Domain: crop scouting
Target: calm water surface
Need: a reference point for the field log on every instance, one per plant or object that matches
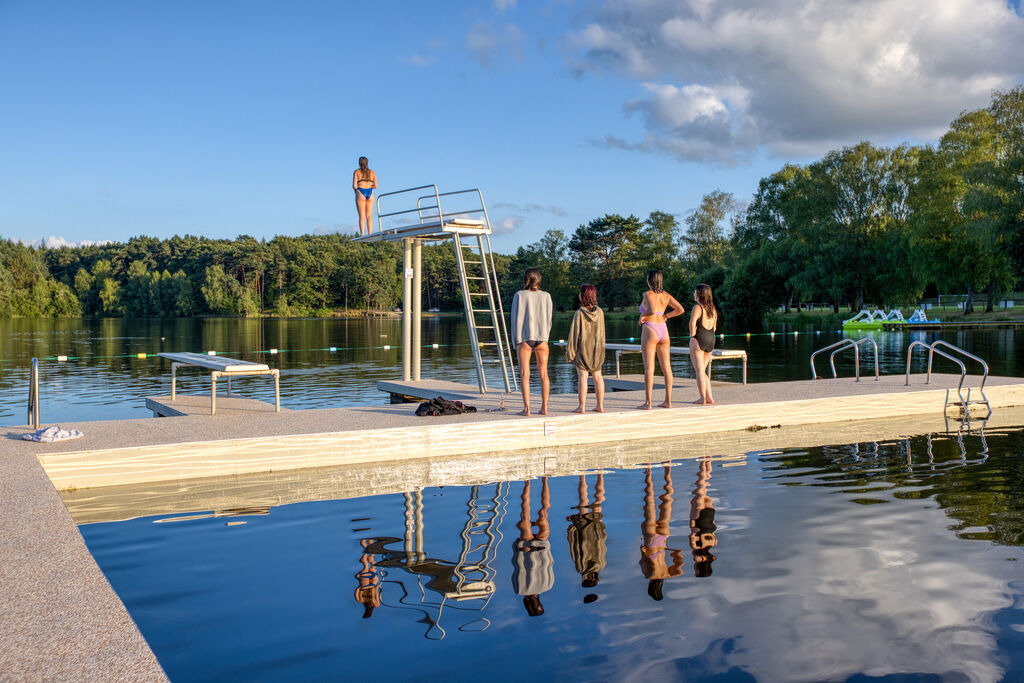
(898, 560)
(100, 381)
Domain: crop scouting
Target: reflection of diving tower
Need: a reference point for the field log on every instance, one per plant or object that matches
(470, 578)
(414, 216)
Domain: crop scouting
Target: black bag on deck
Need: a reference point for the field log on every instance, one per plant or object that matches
(442, 406)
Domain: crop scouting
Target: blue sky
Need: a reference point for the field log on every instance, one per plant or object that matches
(227, 118)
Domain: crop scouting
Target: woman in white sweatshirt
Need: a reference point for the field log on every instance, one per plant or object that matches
(531, 324)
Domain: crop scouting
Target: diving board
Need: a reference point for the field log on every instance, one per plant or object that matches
(221, 367)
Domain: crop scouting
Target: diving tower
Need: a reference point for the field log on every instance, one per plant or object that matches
(416, 215)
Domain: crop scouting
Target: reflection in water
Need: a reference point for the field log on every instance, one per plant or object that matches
(469, 578)
(655, 537)
(533, 567)
(889, 558)
(702, 522)
(588, 535)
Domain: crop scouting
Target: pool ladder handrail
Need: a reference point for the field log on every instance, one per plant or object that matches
(842, 345)
(33, 394)
(932, 350)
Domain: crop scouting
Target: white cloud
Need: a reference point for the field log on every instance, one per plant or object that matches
(502, 5)
(488, 42)
(719, 79)
(531, 208)
(506, 225)
(56, 242)
(419, 60)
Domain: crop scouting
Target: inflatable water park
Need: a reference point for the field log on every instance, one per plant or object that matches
(876, 319)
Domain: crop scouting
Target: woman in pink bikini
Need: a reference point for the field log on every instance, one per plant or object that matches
(654, 311)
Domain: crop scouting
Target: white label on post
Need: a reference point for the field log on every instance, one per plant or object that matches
(408, 273)
(549, 429)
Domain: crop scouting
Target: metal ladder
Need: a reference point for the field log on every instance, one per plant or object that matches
(842, 345)
(964, 403)
(481, 297)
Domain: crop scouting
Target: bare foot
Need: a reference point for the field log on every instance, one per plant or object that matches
(644, 406)
(699, 402)
(581, 410)
(711, 401)
(666, 404)
(543, 411)
(599, 409)
(524, 413)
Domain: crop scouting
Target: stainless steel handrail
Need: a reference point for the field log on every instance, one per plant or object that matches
(841, 342)
(382, 216)
(33, 394)
(842, 345)
(931, 349)
(984, 365)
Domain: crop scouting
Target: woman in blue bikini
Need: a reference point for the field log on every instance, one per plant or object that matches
(364, 182)
(654, 311)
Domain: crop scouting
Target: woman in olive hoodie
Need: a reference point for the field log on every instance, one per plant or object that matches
(585, 347)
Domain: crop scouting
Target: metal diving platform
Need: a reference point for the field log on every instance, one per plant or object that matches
(418, 214)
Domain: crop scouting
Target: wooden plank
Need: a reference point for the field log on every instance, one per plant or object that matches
(218, 363)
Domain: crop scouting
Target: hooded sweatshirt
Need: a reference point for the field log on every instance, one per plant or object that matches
(585, 345)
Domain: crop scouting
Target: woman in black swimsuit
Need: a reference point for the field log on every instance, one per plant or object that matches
(703, 323)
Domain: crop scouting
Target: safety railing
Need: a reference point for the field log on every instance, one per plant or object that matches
(933, 349)
(33, 394)
(843, 345)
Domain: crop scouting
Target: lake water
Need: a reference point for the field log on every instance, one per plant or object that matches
(104, 378)
(896, 561)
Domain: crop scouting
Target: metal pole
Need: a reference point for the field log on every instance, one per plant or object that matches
(417, 306)
(33, 394)
(406, 307)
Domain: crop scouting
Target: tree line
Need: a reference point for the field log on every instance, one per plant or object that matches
(885, 225)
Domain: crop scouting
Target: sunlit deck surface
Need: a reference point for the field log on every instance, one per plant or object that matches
(62, 619)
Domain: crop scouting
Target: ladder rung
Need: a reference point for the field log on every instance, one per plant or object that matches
(472, 263)
(471, 277)
(478, 293)
(487, 343)
(481, 310)
(484, 327)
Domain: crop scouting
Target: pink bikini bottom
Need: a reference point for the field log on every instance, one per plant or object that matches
(659, 329)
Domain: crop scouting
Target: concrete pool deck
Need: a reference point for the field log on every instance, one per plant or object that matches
(120, 452)
(61, 619)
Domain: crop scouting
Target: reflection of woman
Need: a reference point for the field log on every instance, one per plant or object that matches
(703, 323)
(531, 325)
(588, 536)
(654, 312)
(702, 523)
(368, 590)
(364, 182)
(533, 567)
(653, 561)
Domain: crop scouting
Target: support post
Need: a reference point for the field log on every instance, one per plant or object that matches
(406, 308)
(213, 392)
(417, 306)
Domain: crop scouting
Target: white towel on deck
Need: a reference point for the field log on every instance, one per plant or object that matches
(52, 433)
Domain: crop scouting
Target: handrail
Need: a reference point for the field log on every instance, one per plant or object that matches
(984, 365)
(931, 349)
(33, 394)
(842, 345)
(841, 342)
(382, 216)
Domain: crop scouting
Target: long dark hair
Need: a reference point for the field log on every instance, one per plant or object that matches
(588, 296)
(364, 168)
(655, 280)
(531, 279)
(704, 298)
